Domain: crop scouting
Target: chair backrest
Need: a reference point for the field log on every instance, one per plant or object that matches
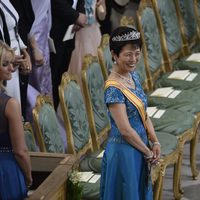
(151, 41)
(93, 89)
(166, 12)
(190, 20)
(104, 55)
(47, 127)
(74, 115)
(29, 137)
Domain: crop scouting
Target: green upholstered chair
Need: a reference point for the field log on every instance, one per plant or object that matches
(46, 124)
(147, 24)
(29, 137)
(77, 124)
(175, 34)
(93, 89)
(104, 55)
(175, 46)
(152, 51)
(75, 116)
(49, 137)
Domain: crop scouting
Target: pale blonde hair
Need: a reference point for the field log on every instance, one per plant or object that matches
(4, 48)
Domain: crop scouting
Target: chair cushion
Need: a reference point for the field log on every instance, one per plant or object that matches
(164, 81)
(181, 63)
(90, 190)
(186, 101)
(174, 122)
(91, 162)
(168, 143)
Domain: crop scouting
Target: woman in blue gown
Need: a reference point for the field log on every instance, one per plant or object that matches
(127, 157)
(15, 167)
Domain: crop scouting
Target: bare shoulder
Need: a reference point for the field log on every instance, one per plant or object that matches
(12, 108)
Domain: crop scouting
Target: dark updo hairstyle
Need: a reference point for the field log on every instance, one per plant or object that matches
(117, 46)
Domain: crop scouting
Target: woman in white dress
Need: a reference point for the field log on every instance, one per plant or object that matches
(22, 57)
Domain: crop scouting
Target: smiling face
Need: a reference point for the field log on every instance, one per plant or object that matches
(128, 57)
(6, 66)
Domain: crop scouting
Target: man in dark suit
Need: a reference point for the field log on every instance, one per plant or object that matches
(63, 15)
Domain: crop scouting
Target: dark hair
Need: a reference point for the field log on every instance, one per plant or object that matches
(117, 46)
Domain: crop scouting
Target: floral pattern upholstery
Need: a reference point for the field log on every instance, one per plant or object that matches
(96, 92)
(77, 115)
(50, 129)
(170, 23)
(30, 140)
(141, 70)
(190, 22)
(152, 39)
(108, 59)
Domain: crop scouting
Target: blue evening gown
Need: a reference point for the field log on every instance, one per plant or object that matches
(12, 182)
(124, 171)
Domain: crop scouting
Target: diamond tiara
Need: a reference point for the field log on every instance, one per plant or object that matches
(133, 35)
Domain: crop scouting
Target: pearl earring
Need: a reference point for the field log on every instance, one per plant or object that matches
(115, 62)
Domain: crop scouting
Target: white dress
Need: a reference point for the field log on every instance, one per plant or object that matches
(12, 87)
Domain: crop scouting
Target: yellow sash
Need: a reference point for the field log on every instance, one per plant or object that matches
(131, 97)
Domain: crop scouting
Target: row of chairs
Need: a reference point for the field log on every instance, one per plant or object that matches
(85, 120)
(170, 34)
(162, 25)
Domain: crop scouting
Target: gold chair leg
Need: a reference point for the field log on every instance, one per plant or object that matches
(157, 194)
(193, 147)
(177, 176)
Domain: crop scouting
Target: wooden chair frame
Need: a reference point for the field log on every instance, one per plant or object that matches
(97, 139)
(104, 43)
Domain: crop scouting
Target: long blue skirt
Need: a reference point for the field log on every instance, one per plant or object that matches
(124, 174)
(12, 182)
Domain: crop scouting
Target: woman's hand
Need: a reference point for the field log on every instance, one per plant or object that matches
(156, 152)
(37, 56)
(29, 181)
(25, 63)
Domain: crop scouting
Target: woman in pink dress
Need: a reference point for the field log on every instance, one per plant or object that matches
(87, 38)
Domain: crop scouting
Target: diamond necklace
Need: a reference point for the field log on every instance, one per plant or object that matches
(128, 80)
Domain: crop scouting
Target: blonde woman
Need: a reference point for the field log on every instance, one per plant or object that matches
(15, 167)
